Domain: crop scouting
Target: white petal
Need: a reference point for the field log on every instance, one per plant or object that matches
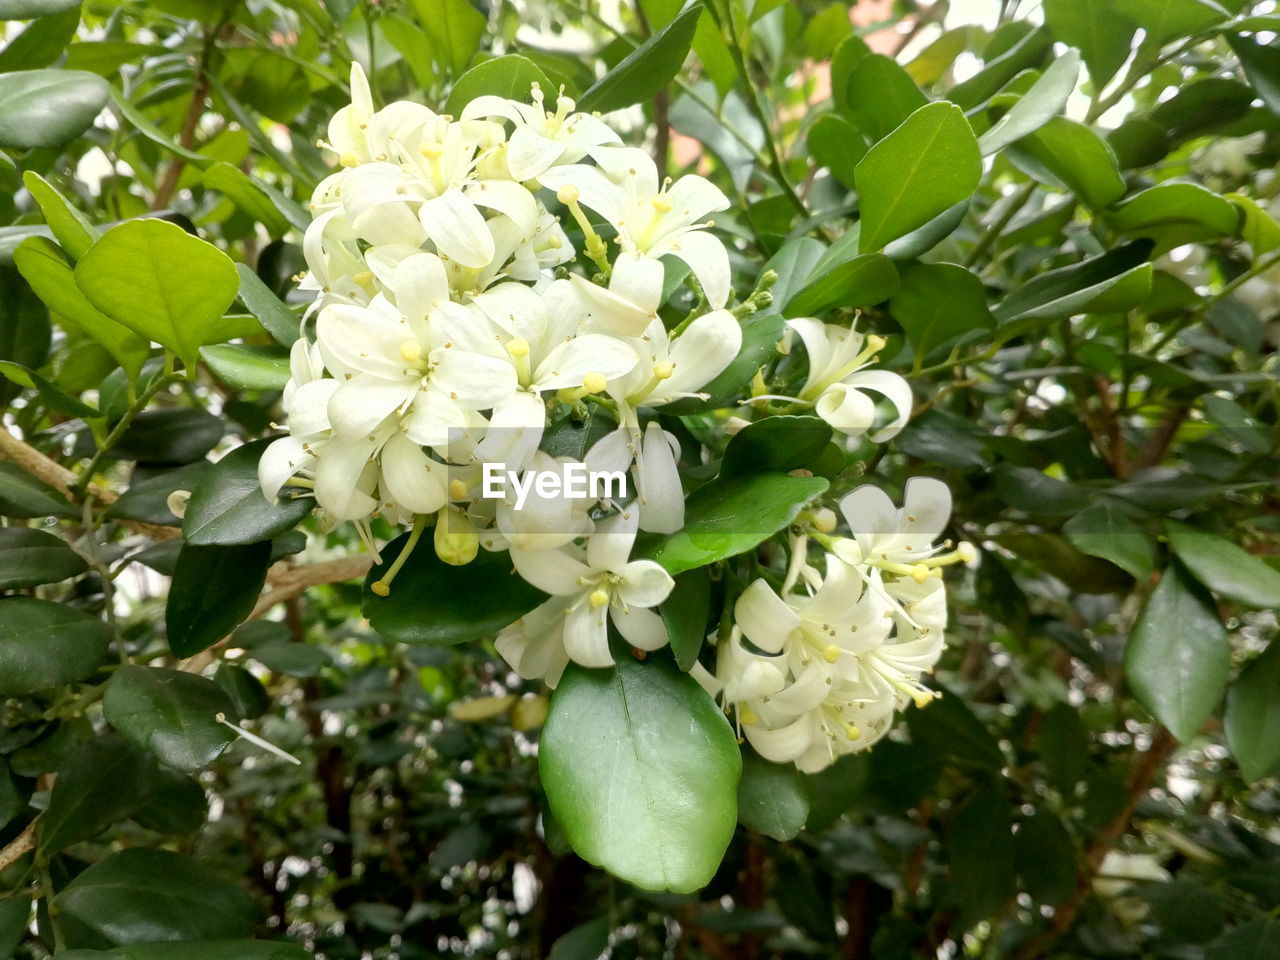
(596, 191)
(639, 627)
(612, 313)
(343, 481)
(361, 340)
(786, 743)
(515, 430)
(895, 389)
(661, 496)
(281, 460)
(568, 363)
(362, 403)
(847, 409)
(419, 281)
(870, 514)
(763, 617)
(473, 379)
(638, 279)
(529, 153)
(433, 420)
(308, 408)
(457, 229)
(707, 258)
(693, 197)
(629, 165)
(644, 583)
(609, 547)
(552, 571)
(508, 198)
(701, 353)
(927, 505)
(586, 636)
(411, 479)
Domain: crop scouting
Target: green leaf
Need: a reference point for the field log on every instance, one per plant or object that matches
(172, 803)
(454, 28)
(1138, 142)
(948, 727)
(73, 230)
(41, 42)
(980, 853)
(248, 366)
(138, 895)
(1063, 746)
(760, 336)
(29, 9)
(169, 435)
(1069, 290)
(51, 395)
(1027, 52)
(727, 517)
(41, 264)
(1046, 98)
(15, 915)
(880, 96)
(587, 941)
(923, 239)
(138, 120)
(1223, 567)
(1171, 214)
(292, 659)
(227, 507)
(23, 497)
(1261, 64)
(684, 614)
(432, 602)
(1256, 940)
(857, 282)
(170, 713)
(48, 108)
(641, 769)
(776, 445)
(276, 318)
(1239, 423)
(772, 797)
(99, 784)
(647, 69)
(1070, 156)
(510, 77)
(1252, 717)
(1056, 556)
(30, 557)
(937, 303)
(836, 144)
(45, 645)
(794, 263)
(1257, 227)
(147, 498)
(1165, 20)
(1046, 858)
(1177, 657)
(250, 197)
(1104, 531)
(1096, 28)
(925, 166)
(214, 589)
(1202, 107)
(195, 950)
(162, 283)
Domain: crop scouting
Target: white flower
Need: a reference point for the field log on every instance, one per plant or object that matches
(838, 380)
(542, 139)
(651, 218)
(592, 586)
(671, 369)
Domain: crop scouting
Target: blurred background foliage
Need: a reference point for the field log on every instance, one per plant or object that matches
(1091, 337)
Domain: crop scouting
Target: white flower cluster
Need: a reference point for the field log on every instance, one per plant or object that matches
(835, 653)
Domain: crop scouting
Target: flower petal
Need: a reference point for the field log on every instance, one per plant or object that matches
(701, 353)
(473, 379)
(896, 390)
(556, 572)
(362, 403)
(763, 617)
(644, 583)
(707, 258)
(586, 636)
(457, 228)
(609, 548)
(661, 497)
(411, 479)
(639, 627)
(282, 459)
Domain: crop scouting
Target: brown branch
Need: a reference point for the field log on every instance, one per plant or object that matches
(19, 846)
(1161, 438)
(195, 110)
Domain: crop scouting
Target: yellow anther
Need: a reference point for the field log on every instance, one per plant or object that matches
(661, 203)
(923, 697)
(568, 194)
(831, 654)
(411, 351)
(852, 732)
(919, 572)
(518, 348)
(875, 343)
(349, 160)
(432, 151)
(598, 599)
(824, 520)
(457, 489)
(747, 716)
(363, 278)
(594, 382)
(380, 589)
(663, 371)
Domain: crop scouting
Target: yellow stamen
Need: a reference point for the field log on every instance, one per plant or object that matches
(831, 654)
(663, 371)
(457, 489)
(598, 599)
(594, 382)
(518, 348)
(349, 160)
(411, 351)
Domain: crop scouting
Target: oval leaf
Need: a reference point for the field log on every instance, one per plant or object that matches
(228, 507)
(170, 713)
(44, 645)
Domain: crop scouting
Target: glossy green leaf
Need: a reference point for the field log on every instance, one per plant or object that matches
(1252, 716)
(214, 589)
(45, 645)
(1027, 52)
(249, 196)
(794, 263)
(1069, 290)
(25, 333)
(1165, 20)
(15, 914)
(454, 28)
(980, 853)
(137, 895)
(51, 395)
(27, 9)
(73, 230)
(99, 784)
(42, 265)
(1046, 858)
(1223, 567)
(23, 497)
(172, 802)
(647, 69)
(510, 77)
(171, 435)
(147, 498)
(48, 108)
(1036, 107)
(836, 144)
(1104, 531)
(276, 318)
(776, 444)
(880, 96)
(772, 797)
(858, 282)
(1256, 940)
(159, 281)
(170, 713)
(228, 507)
(727, 517)
(1202, 107)
(760, 336)
(432, 602)
(41, 43)
(1257, 227)
(30, 557)
(937, 303)
(1063, 745)
(139, 121)
(950, 728)
(1095, 27)
(1070, 156)
(641, 769)
(248, 366)
(685, 613)
(1177, 657)
(1138, 142)
(1261, 65)
(1171, 214)
(196, 950)
(928, 164)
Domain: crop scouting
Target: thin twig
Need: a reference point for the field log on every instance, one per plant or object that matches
(19, 846)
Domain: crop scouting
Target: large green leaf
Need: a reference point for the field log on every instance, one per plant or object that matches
(980, 853)
(1165, 20)
(1068, 290)
(15, 915)
(74, 232)
(647, 69)
(47, 108)
(137, 895)
(170, 435)
(41, 43)
(228, 507)
(214, 588)
(928, 164)
(937, 303)
(432, 602)
(1104, 531)
(1223, 567)
(1027, 52)
(455, 29)
(197, 950)
(836, 144)
(44, 645)
(1046, 858)
(1046, 98)
(857, 282)
(684, 614)
(881, 95)
(772, 797)
(1252, 717)
(170, 713)
(30, 557)
(248, 366)
(42, 265)
(1069, 155)
(1172, 214)
(251, 197)
(1261, 64)
(25, 333)
(28, 9)
(162, 283)
(1256, 940)
(510, 77)
(727, 517)
(1177, 657)
(276, 318)
(776, 445)
(641, 769)
(22, 496)
(100, 783)
(1093, 26)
